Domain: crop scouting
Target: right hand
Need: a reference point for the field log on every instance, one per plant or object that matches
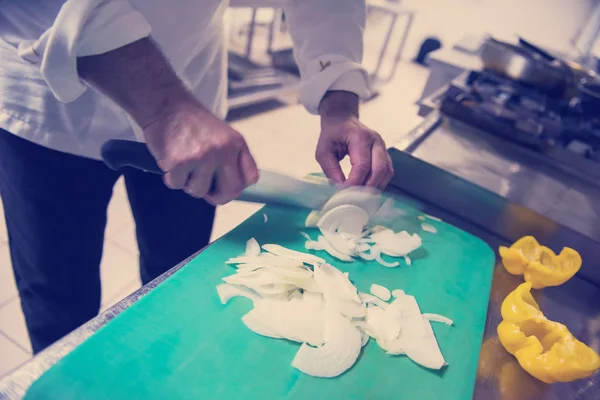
(194, 149)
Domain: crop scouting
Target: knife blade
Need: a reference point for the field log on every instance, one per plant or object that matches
(271, 188)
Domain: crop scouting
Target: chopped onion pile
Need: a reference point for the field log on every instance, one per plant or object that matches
(345, 235)
(298, 297)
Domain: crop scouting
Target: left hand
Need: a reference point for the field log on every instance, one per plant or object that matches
(343, 134)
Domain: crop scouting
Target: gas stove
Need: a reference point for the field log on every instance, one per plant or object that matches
(552, 124)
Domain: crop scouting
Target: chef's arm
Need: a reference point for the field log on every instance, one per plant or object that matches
(328, 47)
(138, 78)
(81, 28)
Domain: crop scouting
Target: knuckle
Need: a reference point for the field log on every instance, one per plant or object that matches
(380, 169)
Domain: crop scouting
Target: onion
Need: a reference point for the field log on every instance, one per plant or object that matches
(335, 284)
(370, 299)
(438, 318)
(417, 336)
(431, 217)
(324, 243)
(338, 242)
(366, 198)
(407, 260)
(347, 218)
(377, 252)
(305, 235)
(383, 324)
(380, 291)
(296, 320)
(292, 254)
(341, 349)
(252, 248)
(312, 219)
(227, 292)
(428, 228)
(265, 218)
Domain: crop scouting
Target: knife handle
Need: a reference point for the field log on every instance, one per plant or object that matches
(118, 154)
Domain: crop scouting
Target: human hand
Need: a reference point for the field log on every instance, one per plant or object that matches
(201, 154)
(343, 134)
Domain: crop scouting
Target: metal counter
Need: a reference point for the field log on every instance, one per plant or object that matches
(483, 213)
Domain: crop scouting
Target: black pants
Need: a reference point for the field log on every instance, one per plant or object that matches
(55, 207)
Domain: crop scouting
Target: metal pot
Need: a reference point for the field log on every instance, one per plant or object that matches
(523, 65)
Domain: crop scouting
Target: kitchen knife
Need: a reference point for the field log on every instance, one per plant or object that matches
(271, 188)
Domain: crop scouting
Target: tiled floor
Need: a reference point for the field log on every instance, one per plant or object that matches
(281, 140)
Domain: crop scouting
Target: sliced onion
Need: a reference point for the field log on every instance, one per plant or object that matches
(227, 292)
(252, 248)
(256, 322)
(345, 218)
(292, 254)
(383, 324)
(266, 259)
(380, 291)
(305, 235)
(433, 218)
(297, 320)
(335, 284)
(312, 219)
(367, 256)
(341, 349)
(397, 245)
(419, 340)
(313, 245)
(407, 260)
(340, 244)
(325, 245)
(370, 299)
(368, 199)
(428, 228)
(265, 218)
(438, 318)
(378, 258)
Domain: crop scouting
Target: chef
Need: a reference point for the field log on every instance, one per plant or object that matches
(76, 73)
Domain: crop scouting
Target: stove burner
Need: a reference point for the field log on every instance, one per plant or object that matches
(522, 114)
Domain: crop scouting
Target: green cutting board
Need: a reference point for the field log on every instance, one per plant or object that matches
(180, 342)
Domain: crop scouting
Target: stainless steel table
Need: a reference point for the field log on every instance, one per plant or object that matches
(497, 221)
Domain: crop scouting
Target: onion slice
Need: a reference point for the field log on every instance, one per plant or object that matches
(293, 254)
(417, 336)
(312, 219)
(438, 318)
(428, 227)
(342, 346)
(252, 248)
(325, 245)
(346, 218)
(380, 291)
(227, 292)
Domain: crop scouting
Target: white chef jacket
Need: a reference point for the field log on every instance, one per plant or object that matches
(43, 100)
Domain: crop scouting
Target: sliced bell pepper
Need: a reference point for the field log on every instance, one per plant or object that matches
(539, 264)
(544, 348)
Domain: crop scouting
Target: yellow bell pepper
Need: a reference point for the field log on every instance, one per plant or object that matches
(544, 348)
(539, 264)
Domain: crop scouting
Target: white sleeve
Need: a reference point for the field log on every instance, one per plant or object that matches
(82, 28)
(328, 47)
